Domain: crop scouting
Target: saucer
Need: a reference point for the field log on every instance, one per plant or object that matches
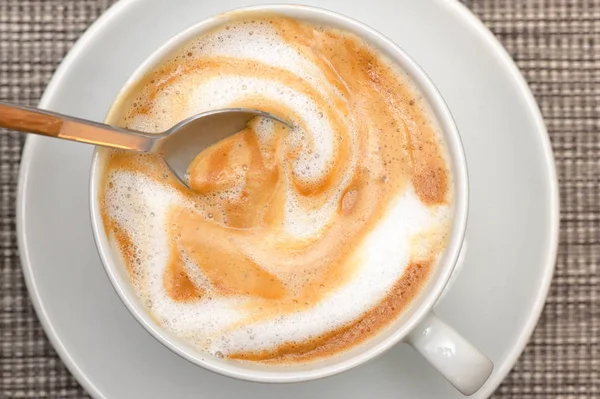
(494, 301)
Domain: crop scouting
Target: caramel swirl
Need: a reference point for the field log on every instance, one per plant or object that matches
(277, 218)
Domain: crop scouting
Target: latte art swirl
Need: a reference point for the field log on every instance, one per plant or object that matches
(294, 243)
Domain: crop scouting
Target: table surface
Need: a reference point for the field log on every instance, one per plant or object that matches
(555, 43)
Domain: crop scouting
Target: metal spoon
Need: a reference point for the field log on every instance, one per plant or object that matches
(178, 146)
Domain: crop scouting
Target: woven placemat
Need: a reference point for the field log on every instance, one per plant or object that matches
(556, 44)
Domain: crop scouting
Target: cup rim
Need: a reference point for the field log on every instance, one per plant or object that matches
(445, 266)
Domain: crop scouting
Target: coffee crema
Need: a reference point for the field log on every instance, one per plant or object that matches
(295, 244)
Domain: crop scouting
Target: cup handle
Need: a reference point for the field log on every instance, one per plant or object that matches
(463, 365)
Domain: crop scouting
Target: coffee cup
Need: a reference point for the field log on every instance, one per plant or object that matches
(453, 356)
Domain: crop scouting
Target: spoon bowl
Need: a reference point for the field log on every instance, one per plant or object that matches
(184, 141)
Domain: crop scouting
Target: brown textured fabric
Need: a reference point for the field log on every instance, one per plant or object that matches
(556, 44)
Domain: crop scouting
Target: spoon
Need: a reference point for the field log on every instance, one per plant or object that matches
(178, 145)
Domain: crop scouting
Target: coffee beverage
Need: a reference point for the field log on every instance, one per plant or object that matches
(295, 243)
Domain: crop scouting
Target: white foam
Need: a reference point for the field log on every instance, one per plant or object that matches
(220, 91)
(143, 214)
(258, 42)
(139, 205)
(383, 259)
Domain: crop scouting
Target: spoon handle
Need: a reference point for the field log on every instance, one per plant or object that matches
(46, 123)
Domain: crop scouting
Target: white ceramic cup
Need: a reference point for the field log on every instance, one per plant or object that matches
(455, 358)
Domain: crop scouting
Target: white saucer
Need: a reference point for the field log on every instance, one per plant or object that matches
(512, 232)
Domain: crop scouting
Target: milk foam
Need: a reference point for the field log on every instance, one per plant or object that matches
(384, 256)
(253, 41)
(139, 204)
